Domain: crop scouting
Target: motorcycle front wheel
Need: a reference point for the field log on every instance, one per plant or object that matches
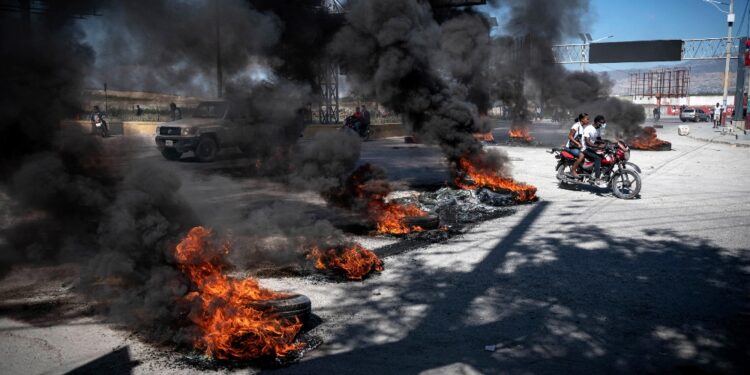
(633, 167)
(625, 184)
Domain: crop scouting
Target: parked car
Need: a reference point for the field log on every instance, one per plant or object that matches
(693, 114)
(213, 126)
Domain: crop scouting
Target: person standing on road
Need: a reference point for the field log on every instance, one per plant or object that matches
(365, 119)
(138, 110)
(575, 136)
(717, 115)
(175, 112)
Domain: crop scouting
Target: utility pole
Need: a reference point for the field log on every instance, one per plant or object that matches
(219, 79)
(730, 21)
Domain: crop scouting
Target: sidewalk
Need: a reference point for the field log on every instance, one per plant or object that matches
(705, 132)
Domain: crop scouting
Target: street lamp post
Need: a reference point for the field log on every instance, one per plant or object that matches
(730, 21)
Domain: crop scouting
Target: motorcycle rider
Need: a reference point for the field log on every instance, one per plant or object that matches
(575, 142)
(591, 143)
(98, 124)
(574, 135)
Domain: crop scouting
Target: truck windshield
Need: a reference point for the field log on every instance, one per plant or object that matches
(210, 110)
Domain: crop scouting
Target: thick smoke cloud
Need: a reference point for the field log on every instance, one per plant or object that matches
(319, 164)
(170, 46)
(389, 48)
(307, 29)
(43, 66)
(548, 20)
(524, 71)
(465, 38)
(523, 67)
(590, 93)
(73, 198)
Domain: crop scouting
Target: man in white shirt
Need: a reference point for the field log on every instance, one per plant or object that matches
(590, 137)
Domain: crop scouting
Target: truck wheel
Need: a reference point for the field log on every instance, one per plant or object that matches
(206, 149)
(171, 154)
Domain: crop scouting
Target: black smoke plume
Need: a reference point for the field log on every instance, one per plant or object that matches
(72, 196)
(390, 49)
(171, 46)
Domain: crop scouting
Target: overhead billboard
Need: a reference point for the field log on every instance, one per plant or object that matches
(644, 51)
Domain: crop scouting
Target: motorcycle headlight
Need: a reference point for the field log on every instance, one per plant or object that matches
(189, 131)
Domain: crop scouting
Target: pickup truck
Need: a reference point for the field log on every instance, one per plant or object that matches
(213, 126)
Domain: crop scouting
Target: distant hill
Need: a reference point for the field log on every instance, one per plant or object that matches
(705, 77)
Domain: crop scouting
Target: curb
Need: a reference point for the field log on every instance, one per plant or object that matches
(713, 140)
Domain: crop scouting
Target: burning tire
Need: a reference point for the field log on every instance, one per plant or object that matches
(425, 222)
(626, 184)
(295, 305)
(206, 149)
(170, 154)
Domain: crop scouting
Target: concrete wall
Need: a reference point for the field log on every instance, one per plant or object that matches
(380, 130)
(140, 128)
(148, 128)
(693, 100)
(128, 128)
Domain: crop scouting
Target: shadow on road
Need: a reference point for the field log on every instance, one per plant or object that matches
(586, 302)
(116, 363)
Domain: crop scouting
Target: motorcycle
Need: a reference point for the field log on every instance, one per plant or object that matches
(624, 182)
(100, 125)
(354, 125)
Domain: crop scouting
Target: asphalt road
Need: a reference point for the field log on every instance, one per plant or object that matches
(579, 282)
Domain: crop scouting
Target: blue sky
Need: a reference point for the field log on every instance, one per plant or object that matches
(659, 19)
(662, 19)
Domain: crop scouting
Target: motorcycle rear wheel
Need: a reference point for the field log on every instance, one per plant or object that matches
(561, 175)
(625, 184)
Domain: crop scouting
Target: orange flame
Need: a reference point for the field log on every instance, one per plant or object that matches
(520, 133)
(355, 261)
(367, 187)
(649, 141)
(389, 217)
(487, 177)
(229, 326)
